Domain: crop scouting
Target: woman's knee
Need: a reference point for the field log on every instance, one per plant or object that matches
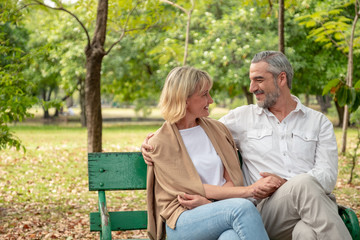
(228, 234)
(241, 206)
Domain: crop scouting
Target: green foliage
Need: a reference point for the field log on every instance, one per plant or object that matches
(344, 94)
(57, 63)
(224, 36)
(331, 26)
(15, 91)
(225, 46)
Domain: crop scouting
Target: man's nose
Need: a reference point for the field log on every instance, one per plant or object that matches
(253, 86)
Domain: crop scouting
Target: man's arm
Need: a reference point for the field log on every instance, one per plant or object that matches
(326, 157)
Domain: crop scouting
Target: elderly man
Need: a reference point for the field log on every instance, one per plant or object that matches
(280, 138)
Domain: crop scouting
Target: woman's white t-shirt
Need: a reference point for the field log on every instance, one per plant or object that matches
(202, 153)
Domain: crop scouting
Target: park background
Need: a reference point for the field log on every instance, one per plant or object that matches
(75, 78)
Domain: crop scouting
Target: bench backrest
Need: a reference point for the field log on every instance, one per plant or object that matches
(116, 171)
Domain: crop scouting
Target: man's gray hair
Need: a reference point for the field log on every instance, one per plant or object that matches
(277, 63)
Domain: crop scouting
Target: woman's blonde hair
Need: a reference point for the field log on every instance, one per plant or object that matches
(181, 83)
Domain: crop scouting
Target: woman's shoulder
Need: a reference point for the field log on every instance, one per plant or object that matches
(162, 135)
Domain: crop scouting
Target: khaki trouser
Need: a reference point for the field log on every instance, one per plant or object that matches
(300, 209)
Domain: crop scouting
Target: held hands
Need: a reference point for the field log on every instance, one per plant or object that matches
(146, 148)
(190, 201)
(266, 185)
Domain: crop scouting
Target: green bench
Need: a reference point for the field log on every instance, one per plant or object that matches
(127, 171)
(116, 171)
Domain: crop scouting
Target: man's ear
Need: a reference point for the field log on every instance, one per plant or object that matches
(282, 79)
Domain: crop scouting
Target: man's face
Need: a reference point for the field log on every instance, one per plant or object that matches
(262, 84)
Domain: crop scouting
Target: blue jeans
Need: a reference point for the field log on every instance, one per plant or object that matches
(235, 218)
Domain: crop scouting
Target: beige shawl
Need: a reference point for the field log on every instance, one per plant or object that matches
(174, 173)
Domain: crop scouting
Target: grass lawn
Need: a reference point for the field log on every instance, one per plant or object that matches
(44, 192)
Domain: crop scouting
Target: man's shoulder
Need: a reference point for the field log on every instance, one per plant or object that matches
(245, 109)
(309, 112)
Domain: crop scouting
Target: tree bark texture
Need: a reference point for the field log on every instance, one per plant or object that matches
(281, 26)
(82, 103)
(340, 111)
(324, 102)
(94, 56)
(249, 96)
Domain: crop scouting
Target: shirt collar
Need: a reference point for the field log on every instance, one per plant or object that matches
(299, 107)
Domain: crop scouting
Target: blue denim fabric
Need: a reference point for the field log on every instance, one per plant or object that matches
(235, 218)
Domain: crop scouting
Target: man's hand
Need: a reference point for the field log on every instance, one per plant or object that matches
(267, 185)
(190, 201)
(266, 174)
(145, 149)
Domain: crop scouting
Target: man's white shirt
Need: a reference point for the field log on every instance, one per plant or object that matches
(304, 142)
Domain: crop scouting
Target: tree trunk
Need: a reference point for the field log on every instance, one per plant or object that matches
(249, 96)
(340, 111)
(344, 128)
(56, 114)
(44, 98)
(46, 114)
(281, 26)
(82, 103)
(349, 77)
(307, 99)
(94, 56)
(323, 102)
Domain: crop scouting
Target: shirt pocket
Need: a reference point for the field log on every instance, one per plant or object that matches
(304, 144)
(260, 140)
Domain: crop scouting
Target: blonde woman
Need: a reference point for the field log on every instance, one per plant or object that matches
(195, 186)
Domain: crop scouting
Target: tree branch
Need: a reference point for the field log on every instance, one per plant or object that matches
(188, 31)
(270, 9)
(176, 5)
(124, 29)
(61, 8)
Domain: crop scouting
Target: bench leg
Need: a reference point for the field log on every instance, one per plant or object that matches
(105, 217)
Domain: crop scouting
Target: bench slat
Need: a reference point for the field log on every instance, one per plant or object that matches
(120, 221)
(116, 171)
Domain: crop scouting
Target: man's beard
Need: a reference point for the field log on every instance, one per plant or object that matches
(270, 98)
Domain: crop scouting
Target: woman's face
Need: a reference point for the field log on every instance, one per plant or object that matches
(198, 104)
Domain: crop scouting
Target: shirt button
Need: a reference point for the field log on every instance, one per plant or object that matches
(284, 154)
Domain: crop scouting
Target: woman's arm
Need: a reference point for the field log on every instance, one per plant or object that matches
(190, 201)
(263, 188)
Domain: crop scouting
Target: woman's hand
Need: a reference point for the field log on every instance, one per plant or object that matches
(190, 201)
(146, 148)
